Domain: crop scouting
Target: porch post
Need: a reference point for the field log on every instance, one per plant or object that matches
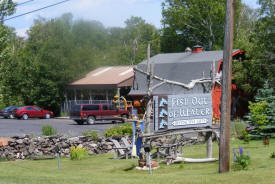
(107, 94)
(75, 94)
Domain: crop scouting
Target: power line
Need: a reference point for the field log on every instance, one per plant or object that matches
(36, 10)
(24, 2)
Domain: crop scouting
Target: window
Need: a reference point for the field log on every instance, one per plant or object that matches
(76, 108)
(29, 108)
(90, 107)
(37, 109)
(105, 107)
(112, 107)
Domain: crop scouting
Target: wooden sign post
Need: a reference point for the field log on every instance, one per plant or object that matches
(224, 149)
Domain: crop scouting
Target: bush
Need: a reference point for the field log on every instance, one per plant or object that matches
(78, 153)
(125, 129)
(246, 136)
(92, 134)
(241, 161)
(257, 116)
(238, 127)
(48, 130)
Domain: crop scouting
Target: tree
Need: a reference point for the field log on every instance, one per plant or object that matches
(266, 35)
(255, 37)
(190, 22)
(262, 112)
(7, 7)
(61, 50)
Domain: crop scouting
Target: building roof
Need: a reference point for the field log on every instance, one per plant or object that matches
(180, 67)
(106, 77)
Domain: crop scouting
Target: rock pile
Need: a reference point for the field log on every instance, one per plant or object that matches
(27, 147)
(39, 147)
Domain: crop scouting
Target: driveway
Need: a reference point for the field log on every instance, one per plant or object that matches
(13, 127)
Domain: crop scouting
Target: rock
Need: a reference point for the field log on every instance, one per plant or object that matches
(93, 145)
(19, 141)
(153, 164)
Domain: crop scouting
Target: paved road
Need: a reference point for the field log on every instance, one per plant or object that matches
(12, 127)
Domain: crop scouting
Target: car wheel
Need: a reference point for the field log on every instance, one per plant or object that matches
(47, 116)
(11, 116)
(124, 117)
(91, 120)
(79, 122)
(25, 116)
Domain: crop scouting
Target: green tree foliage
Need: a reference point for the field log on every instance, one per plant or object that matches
(7, 7)
(254, 36)
(190, 22)
(262, 112)
(61, 50)
(267, 94)
(257, 114)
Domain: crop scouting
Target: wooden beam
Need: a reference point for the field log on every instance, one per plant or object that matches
(224, 149)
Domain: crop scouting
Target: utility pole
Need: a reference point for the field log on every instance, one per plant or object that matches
(224, 148)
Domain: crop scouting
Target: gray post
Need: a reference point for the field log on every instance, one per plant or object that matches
(209, 144)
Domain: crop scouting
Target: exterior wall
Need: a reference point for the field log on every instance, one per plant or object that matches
(216, 100)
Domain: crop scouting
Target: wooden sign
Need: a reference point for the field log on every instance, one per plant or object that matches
(182, 111)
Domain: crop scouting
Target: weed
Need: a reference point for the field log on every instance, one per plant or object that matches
(48, 130)
(78, 153)
(241, 161)
(92, 134)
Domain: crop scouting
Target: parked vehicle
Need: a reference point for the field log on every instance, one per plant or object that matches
(7, 112)
(26, 112)
(89, 113)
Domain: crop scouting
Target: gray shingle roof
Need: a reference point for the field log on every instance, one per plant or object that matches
(180, 67)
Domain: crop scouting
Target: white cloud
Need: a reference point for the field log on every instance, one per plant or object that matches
(22, 32)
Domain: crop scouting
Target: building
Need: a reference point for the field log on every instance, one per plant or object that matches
(99, 86)
(185, 67)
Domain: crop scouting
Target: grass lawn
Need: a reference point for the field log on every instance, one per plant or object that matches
(102, 169)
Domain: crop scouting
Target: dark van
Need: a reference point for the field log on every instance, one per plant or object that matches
(90, 113)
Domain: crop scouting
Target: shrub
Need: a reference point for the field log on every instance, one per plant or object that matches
(257, 114)
(92, 134)
(78, 153)
(48, 130)
(241, 161)
(125, 129)
(245, 136)
(238, 127)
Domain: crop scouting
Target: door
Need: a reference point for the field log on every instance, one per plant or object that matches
(38, 112)
(31, 112)
(113, 111)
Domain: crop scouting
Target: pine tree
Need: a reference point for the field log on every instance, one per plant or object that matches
(262, 113)
(267, 94)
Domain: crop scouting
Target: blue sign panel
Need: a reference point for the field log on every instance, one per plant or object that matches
(182, 111)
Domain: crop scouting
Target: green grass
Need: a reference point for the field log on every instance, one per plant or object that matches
(102, 169)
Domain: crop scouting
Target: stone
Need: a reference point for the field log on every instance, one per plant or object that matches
(153, 164)
(19, 141)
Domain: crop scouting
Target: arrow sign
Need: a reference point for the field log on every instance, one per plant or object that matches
(163, 102)
(163, 123)
(162, 113)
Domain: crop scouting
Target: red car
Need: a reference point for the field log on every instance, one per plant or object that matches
(26, 112)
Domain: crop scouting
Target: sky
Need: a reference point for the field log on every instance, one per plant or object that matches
(112, 13)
